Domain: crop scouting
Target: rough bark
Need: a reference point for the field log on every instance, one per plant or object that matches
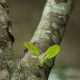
(49, 32)
(6, 41)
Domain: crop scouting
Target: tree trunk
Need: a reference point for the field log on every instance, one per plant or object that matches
(49, 32)
(6, 41)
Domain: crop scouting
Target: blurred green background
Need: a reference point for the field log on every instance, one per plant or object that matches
(25, 16)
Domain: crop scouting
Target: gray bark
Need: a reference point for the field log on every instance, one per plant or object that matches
(49, 32)
(6, 41)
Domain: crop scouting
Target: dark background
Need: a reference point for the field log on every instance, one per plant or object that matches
(25, 16)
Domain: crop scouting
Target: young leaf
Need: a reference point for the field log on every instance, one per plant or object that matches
(51, 52)
(32, 48)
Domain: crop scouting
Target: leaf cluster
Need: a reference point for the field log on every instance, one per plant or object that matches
(50, 53)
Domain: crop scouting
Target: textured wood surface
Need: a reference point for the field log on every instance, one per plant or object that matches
(49, 32)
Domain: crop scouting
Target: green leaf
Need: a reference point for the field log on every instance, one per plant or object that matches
(52, 52)
(32, 48)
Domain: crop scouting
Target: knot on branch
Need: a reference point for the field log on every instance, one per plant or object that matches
(3, 44)
(5, 5)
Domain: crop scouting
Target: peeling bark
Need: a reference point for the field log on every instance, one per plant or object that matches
(49, 32)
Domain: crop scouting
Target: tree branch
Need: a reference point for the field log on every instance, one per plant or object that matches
(6, 40)
(49, 32)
